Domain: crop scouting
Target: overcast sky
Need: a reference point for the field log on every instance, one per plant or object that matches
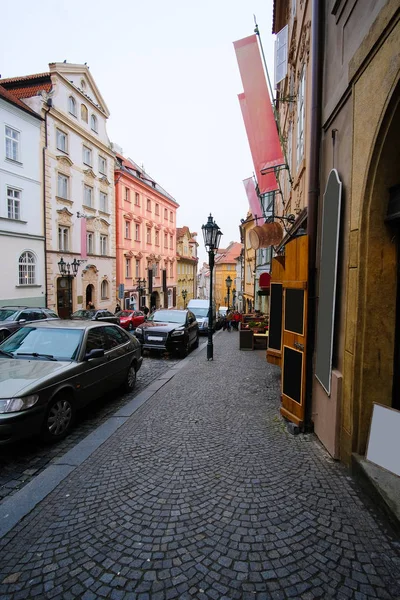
(168, 73)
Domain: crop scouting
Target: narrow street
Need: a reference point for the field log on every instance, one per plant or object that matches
(202, 493)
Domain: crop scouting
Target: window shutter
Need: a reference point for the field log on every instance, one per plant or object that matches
(281, 54)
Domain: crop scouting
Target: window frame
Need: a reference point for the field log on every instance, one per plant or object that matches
(148, 235)
(16, 202)
(84, 113)
(24, 263)
(137, 267)
(72, 107)
(63, 238)
(103, 244)
(88, 188)
(127, 229)
(148, 204)
(94, 125)
(157, 209)
(137, 199)
(15, 143)
(66, 178)
(103, 202)
(128, 268)
(104, 160)
(104, 294)
(61, 134)
(90, 242)
(89, 152)
(137, 232)
(300, 141)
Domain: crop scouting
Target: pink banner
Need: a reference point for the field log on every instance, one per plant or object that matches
(83, 238)
(261, 128)
(254, 201)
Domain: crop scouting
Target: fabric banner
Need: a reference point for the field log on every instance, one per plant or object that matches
(254, 201)
(257, 113)
(83, 238)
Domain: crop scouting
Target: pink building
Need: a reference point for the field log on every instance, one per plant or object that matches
(145, 238)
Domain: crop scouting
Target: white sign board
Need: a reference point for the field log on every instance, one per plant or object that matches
(384, 439)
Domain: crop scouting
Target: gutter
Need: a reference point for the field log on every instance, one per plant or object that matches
(313, 193)
(49, 104)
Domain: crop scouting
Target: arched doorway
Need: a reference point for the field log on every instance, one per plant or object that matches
(377, 330)
(89, 294)
(64, 297)
(154, 301)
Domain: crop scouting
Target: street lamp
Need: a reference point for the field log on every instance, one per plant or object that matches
(234, 298)
(184, 294)
(69, 270)
(212, 237)
(141, 286)
(228, 282)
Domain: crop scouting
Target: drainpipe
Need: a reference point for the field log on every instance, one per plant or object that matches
(313, 193)
(49, 104)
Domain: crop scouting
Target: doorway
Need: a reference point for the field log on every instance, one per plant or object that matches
(64, 297)
(89, 294)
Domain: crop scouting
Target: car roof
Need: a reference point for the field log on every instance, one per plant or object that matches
(8, 307)
(69, 324)
(177, 310)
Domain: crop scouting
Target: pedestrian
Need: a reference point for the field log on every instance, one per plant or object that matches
(145, 311)
(117, 308)
(90, 305)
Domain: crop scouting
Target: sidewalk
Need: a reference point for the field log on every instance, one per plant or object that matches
(202, 493)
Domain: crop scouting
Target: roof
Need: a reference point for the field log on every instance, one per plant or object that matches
(130, 167)
(24, 78)
(13, 99)
(230, 254)
(28, 85)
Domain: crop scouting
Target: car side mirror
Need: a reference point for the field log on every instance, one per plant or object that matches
(95, 353)
(22, 321)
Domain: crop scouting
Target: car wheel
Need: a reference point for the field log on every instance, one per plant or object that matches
(59, 418)
(3, 335)
(196, 343)
(130, 326)
(185, 350)
(130, 380)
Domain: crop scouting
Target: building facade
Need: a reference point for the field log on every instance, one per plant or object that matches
(225, 266)
(78, 185)
(186, 255)
(21, 204)
(146, 238)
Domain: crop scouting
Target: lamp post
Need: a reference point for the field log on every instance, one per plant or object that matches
(69, 270)
(234, 298)
(141, 286)
(212, 237)
(228, 282)
(184, 294)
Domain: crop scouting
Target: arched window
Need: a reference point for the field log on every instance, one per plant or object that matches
(104, 289)
(27, 269)
(72, 106)
(84, 113)
(93, 123)
(169, 298)
(83, 85)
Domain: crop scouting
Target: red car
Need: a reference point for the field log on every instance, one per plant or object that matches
(130, 319)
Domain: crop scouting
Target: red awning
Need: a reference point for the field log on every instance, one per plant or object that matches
(264, 281)
(257, 113)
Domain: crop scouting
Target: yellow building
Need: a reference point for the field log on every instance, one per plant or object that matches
(225, 266)
(186, 255)
(249, 265)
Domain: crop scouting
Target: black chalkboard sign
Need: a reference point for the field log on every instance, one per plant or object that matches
(292, 373)
(294, 310)
(275, 317)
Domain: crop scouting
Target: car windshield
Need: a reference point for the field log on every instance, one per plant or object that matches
(199, 312)
(7, 314)
(125, 313)
(168, 316)
(83, 314)
(61, 344)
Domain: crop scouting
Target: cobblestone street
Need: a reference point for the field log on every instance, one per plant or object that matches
(202, 493)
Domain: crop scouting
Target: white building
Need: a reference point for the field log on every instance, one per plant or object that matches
(21, 205)
(78, 185)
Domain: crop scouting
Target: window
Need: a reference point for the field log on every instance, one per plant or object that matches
(137, 199)
(171, 242)
(84, 113)
(27, 269)
(12, 144)
(148, 204)
(137, 232)
(13, 203)
(137, 268)
(148, 235)
(62, 141)
(127, 267)
(169, 298)
(90, 242)
(165, 240)
(87, 156)
(157, 238)
(127, 230)
(157, 209)
(93, 123)
(103, 245)
(171, 216)
(156, 269)
(104, 289)
(103, 202)
(62, 186)
(165, 214)
(102, 165)
(88, 196)
(300, 118)
(63, 239)
(171, 270)
(72, 106)
(127, 195)
(83, 85)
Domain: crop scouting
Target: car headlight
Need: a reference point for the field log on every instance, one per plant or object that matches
(9, 405)
(138, 331)
(177, 332)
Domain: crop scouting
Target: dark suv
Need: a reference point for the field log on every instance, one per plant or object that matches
(14, 317)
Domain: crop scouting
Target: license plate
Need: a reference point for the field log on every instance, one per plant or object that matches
(154, 338)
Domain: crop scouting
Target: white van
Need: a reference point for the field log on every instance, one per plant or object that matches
(200, 309)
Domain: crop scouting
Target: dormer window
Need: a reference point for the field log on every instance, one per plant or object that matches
(84, 113)
(93, 123)
(72, 106)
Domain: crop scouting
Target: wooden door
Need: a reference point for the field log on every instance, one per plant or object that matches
(274, 352)
(294, 330)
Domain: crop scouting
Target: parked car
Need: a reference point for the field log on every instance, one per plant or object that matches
(14, 317)
(130, 319)
(201, 310)
(93, 314)
(49, 370)
(169, 330)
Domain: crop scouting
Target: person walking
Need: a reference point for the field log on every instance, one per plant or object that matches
(117, 308)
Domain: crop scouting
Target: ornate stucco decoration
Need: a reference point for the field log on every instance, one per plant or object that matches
(129, 254)
(64, 159)
(138, 255)
(128, 216)
(105, 180)
(88, 269)
(137, 219)
(90, 173)
(304, 46)
(64, 216)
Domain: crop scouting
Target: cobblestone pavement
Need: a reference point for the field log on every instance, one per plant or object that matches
(22, 461)
(204, 494)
